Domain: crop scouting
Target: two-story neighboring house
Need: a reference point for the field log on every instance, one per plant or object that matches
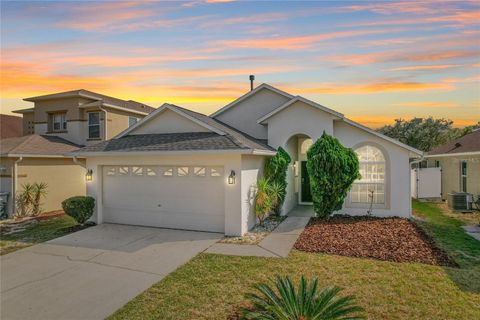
(59, 123)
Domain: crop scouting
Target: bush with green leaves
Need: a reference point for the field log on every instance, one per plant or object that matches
(332, 169)
(79, 208)
(276, 172)
(307, 302)
(28, 200)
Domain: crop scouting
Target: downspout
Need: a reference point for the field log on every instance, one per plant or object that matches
(105, 121)
(15, 183)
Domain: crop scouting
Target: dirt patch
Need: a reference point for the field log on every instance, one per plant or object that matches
(389, 239)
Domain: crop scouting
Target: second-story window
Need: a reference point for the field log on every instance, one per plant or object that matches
(132, 121)
(58, 122)
(94, 125)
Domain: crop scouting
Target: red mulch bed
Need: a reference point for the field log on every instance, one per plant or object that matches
(389, 239)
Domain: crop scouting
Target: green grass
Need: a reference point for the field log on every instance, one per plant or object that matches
(213, 286)
(42, 231)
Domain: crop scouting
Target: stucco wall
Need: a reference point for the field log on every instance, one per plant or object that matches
(169, 122)
(245, 114)
(451, 173)
(252, 170)
(299, 118)
(63, 177)
(398, 201)
(28, 123)
(231, 161)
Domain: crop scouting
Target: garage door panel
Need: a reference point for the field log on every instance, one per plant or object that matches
(193, 201)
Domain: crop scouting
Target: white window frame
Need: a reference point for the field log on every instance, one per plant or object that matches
(385, 162)
(61, 119)
(94, 125)
(463, 176)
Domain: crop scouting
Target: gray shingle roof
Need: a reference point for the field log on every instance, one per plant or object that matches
(129, 104)
(467, 143)
(36, 144)
(186, 141)
(189, 141)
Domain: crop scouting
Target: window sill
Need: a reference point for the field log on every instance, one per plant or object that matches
(61, 131)
(94, 139)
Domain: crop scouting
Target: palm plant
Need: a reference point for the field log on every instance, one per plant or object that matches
(304, 303)
(277, 194)
(24, 200)
(263, 200)
(39, 191)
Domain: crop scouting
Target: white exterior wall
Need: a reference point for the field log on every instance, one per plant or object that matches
(252, 170)
(398, 201)
(169, 122)
(299, 118)
(245, 114)
(234, 225)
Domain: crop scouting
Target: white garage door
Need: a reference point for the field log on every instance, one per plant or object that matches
(181, 197)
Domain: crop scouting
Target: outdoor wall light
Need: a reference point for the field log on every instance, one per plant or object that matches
(231, 177)
(89, 175)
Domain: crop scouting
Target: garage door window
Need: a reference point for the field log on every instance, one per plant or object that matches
(167, 172)
(123, 171)
(137, 171)
(150, 172)
(182, 171)
(200, 171)
(216, 172)
(111, 171)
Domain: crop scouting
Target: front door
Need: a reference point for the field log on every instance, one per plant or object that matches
(306, 193)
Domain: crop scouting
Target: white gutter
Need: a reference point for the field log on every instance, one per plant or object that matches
(75, 160)
(167, 153)
(15, 183)
(125, 109)
(460, 154)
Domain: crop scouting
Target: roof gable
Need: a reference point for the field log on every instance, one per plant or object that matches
(295, 100)
(247, 95)
(185, 123)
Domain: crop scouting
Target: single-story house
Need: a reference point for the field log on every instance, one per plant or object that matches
(181, 169)
(41, 158)
(459, 161)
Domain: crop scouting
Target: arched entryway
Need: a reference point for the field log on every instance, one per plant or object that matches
(298, 189)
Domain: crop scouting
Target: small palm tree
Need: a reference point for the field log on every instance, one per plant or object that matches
(277, 194)
(263, 200)
(39, 191)
(304, 303)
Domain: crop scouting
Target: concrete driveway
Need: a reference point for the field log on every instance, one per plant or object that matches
(91, 273)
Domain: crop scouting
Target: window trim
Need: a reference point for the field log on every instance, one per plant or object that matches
(63, 121)
(463, 185)
(137, 119)
(386, 182)
(92, 125)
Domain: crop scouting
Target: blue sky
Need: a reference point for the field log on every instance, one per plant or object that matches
(373, 61)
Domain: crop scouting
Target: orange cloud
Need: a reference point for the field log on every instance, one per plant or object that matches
(298, 42)
(374, 87)
(422, 68)
(379, 121)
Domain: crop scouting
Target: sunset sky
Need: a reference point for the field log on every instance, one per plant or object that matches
(372, 61)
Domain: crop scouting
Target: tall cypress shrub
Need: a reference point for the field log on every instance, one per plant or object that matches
(332, 169)
(276, 172)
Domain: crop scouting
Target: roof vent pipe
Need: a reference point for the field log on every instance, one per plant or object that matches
(252, 77)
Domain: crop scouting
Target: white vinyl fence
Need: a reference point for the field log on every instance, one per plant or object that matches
(426, 183)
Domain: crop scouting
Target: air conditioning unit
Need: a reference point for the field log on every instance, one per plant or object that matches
(460, 201)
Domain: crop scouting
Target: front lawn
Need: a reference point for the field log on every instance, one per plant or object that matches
(38, 232)
(213, 286)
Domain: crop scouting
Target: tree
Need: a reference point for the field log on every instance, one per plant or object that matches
(276, 172)
(425, 134)
(332, 169)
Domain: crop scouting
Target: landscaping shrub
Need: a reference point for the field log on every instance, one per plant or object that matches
(276, 172)
(332, 169)
(79, 208)
(263, 200)
(306, 302)
(27, 202)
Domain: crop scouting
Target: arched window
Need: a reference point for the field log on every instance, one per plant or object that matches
(372, 182)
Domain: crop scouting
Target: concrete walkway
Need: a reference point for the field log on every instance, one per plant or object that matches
(277, 244)
(473, 231)
(91, 273)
